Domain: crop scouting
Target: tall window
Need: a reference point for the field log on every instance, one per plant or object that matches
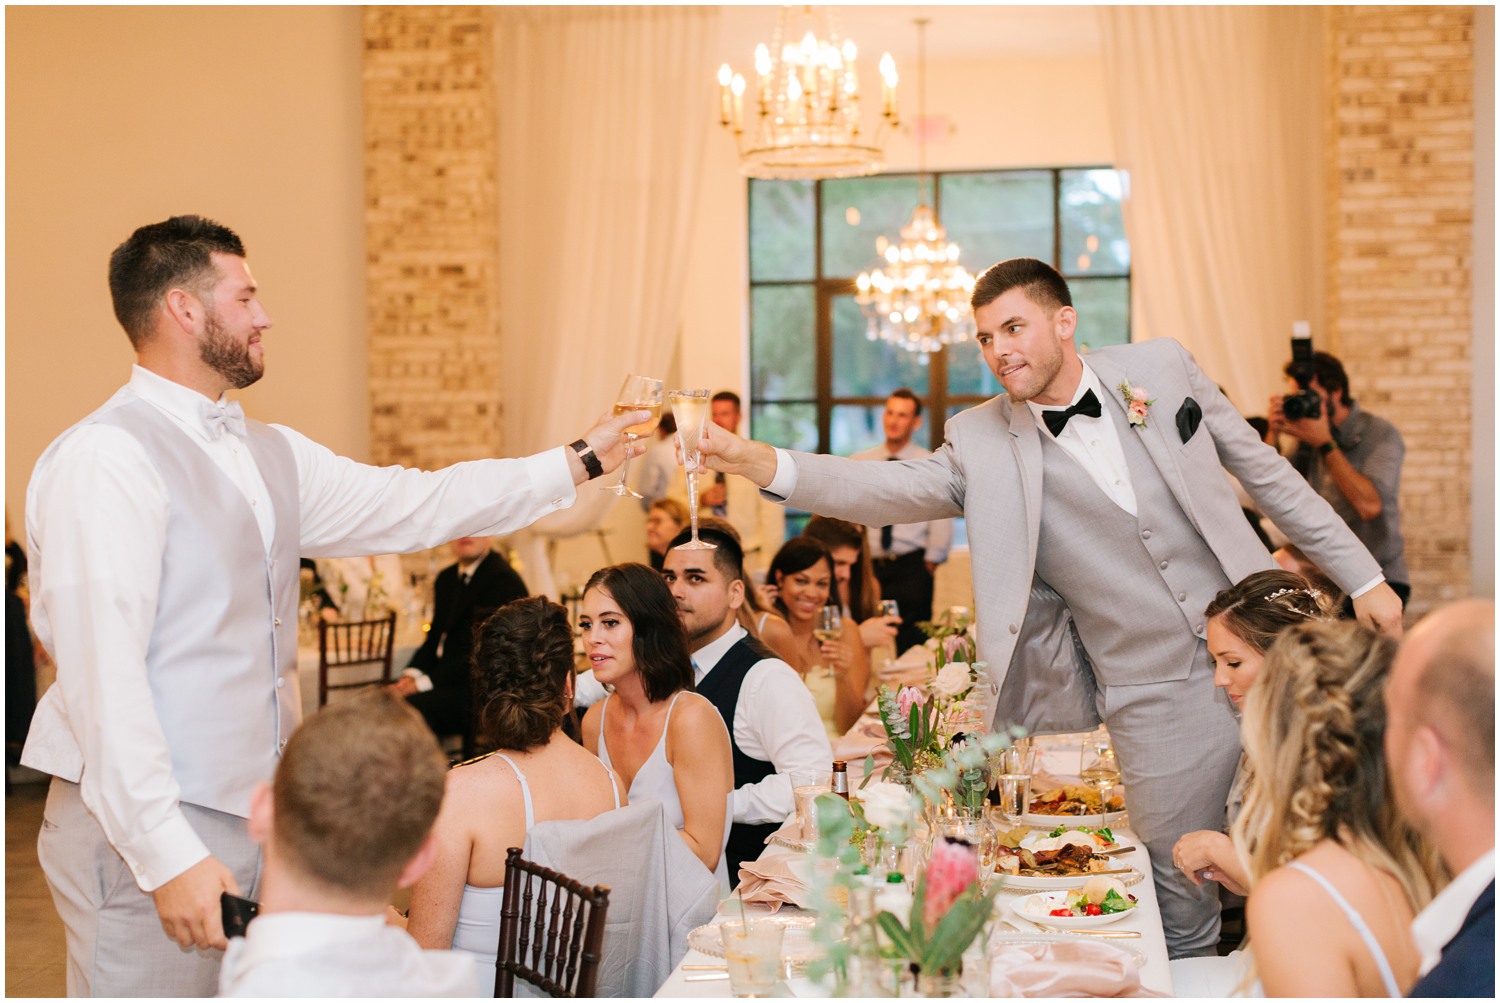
(816, 382)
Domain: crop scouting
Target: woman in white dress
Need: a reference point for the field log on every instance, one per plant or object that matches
(1336, 876)
(523, 666)
(665, 741)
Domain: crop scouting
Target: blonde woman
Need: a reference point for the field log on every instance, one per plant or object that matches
(1336, 876)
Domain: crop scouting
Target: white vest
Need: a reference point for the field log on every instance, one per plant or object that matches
(222, 662)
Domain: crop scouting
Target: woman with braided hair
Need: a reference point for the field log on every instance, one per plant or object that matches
(1243, 621)
(1335, 875)
(523, 688)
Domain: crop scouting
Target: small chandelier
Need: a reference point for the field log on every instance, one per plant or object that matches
(919, 299)
(806, 104)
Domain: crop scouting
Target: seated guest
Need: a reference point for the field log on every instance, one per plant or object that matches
(1336, 875)
(346, 821)
(757, 617)
(364, 588)
(1290, 557)
(439, 681)
(523, 687)
(773, 723)
(664, 519)
(858, 589)
(665, 741)
(1243, 621)
(1440, 739)
(836, 671)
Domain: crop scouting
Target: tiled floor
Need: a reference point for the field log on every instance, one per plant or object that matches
(34, 950)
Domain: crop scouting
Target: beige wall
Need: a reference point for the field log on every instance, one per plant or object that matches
(117, 117)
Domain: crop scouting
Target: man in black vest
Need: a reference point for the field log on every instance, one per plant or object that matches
(773, 724)
(438, 680)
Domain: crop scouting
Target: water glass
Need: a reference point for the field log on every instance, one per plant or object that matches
(752, 952)
(1015, 796)
(806, 786)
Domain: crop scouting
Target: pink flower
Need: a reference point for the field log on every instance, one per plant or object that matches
(954, 644)
(908, 698)
(1139, 394)
(951, 869)
(1138, 407)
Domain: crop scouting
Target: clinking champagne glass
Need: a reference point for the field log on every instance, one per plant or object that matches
(637, 393)
(830, 627)
(690, 408)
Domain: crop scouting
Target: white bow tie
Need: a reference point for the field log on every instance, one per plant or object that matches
(231, 419)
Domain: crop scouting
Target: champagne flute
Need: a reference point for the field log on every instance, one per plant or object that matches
(891, 650)
(830, 627)
(690, 408)
(637, 393)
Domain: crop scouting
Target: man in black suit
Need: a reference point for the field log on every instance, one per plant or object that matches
(1440, 742)
(437, 682)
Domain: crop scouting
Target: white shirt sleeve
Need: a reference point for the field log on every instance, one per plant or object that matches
(777, 721)
(97, 513)
(587, 690)
(785, 481)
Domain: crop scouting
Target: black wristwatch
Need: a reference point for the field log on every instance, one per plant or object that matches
(1327, 448)
(590, 461)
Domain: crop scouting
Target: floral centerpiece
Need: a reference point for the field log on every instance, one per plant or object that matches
(912, 731)
(948, 910)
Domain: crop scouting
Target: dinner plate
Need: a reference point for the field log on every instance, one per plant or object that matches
(1002, 939)
(1017, 882)
(1032, 838)
(1053, 821)
(1037, 908)
(791, 842)
(797, 947)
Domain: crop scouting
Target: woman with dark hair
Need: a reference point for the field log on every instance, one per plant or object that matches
(858, 588)
(836, 671)
(523, 688)
(665, 741)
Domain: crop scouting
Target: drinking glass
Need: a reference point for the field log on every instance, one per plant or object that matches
(690, 408)
(1099, 768)
(637, 393)
(830, 627)
(806, 786)
(752, 953)
(1016, 765)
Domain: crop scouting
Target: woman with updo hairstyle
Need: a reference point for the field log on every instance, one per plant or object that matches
(1336, 875)
(665, 741)
(523, 689)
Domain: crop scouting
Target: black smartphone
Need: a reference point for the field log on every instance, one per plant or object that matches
(237, 913)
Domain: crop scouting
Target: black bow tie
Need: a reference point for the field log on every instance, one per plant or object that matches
(1088, 406)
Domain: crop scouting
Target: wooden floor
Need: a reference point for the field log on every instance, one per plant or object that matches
(35, 955)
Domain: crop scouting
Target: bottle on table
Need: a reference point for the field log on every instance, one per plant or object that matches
(841, 778)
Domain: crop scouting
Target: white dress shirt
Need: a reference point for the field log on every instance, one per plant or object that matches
(306, 954)
(96, 513)
(775, 721)
(932, 538)
(1444, 915)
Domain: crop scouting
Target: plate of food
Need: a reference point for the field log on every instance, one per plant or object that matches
(1097, 838)
(1069, 865)
(1076, 804)
(1101, 901)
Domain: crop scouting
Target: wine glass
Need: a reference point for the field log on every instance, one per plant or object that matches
(637, 393)
(690, 408)
(1099, 769)
(830, 627)
(890, 651)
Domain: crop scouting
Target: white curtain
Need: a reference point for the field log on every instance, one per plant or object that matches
(603, 116)
(1217, 115)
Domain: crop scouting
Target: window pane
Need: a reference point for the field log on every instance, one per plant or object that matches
(968, 373)
(781, 231)
(856, 427)
(855, 212)
(992, 217)
(790, 426)
(1093, 231)
(865, 368)
(1103, 307)
(783, 358)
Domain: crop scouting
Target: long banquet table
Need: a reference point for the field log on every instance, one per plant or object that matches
(1058, 755)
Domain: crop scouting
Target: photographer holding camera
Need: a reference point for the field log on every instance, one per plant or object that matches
(1349, 456)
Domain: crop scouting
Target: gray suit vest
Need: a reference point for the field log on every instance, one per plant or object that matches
(1136, 585)
(222, 660)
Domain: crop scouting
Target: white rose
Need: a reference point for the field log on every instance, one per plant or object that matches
(887, 806)
(952, 679)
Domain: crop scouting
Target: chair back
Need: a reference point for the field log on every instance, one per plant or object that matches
(551, 930)
(351, 645)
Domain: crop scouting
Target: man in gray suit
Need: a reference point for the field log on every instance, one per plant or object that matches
(1126, 456)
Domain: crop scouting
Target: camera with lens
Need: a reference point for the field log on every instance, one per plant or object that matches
(1305, 403)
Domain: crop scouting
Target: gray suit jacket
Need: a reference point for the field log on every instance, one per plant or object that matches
(990, 470)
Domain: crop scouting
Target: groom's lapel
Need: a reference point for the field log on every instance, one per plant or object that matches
(1154, 435)
(1026, 442)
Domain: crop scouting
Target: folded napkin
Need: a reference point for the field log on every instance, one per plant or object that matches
(774, 879)
(1063, 968)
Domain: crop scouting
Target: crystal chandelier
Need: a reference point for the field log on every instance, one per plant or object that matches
(919, 298)
(806, 104)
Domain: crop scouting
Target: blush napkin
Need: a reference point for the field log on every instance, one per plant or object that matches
(1063, 968)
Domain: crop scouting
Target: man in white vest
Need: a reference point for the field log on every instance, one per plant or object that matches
(1100, 524)
(165, 533)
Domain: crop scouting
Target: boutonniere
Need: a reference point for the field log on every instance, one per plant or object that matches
(1137, 401)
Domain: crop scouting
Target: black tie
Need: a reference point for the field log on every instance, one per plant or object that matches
(463, 577)
(1088, 406)
(887, 533)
